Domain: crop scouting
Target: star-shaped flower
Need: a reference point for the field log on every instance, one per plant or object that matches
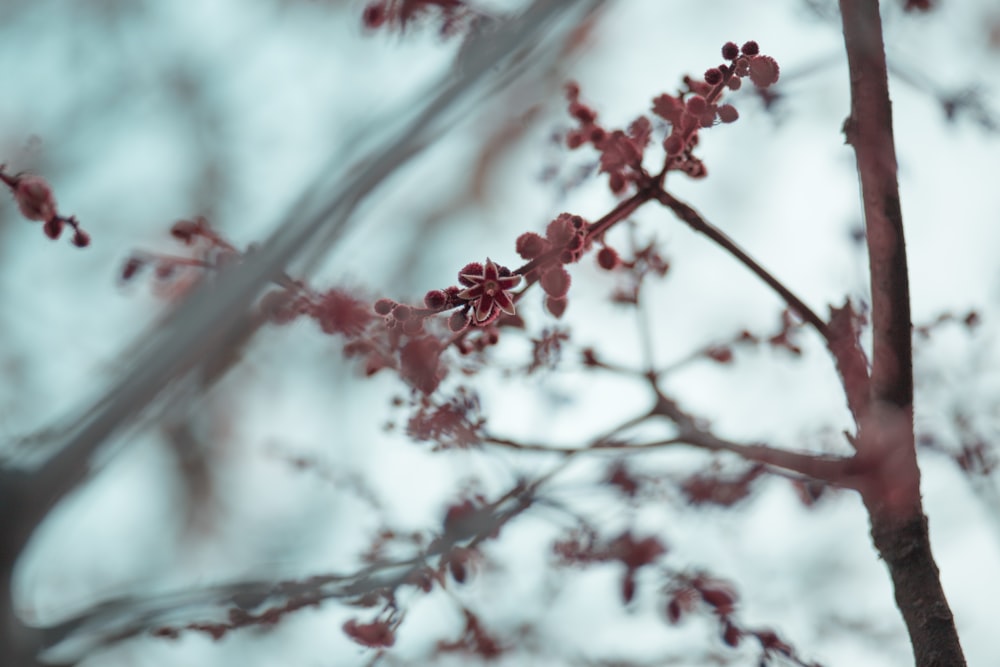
(488, 290)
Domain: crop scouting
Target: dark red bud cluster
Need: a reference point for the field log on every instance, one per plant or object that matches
(35, 200)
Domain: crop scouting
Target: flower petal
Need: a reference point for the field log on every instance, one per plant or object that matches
(490, 271)
(504, 302)
(471, 293)
(509, 282)
(484, 308)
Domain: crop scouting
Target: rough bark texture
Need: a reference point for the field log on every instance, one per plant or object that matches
(886, 440)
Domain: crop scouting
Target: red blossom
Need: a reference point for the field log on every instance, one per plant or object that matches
(488, 291)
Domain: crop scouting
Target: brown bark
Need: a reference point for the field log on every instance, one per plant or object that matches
(886, 446)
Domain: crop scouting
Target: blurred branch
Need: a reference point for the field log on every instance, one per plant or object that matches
(203, 326)
(230, 606)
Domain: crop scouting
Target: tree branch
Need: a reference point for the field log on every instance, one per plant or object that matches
(886, 438)
(699, 224)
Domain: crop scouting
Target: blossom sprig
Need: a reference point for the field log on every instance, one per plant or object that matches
(176, 275)
(35, 200)
(693, 108)
(698, 107)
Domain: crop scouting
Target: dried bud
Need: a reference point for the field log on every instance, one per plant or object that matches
(530, 245)
(607, 258)
(730, 51)
(616, 182)
(560, 230)
(472, 269)
(697, 105)
(81, 239)
(53, 227)
(727, 112)
(750, 48)
(384, 306)
(401, 312)
(435, 299)
(713, 75)
(34, 198)
(673, 145)
(731, 635)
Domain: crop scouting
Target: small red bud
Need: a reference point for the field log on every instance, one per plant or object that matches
(731, 635)
(435, 299)
(34, 198)
(750, 48)
(616, 182)
(384, 306)
(697, 105)
(53, 227)
(728, 113)
(81, 239)
(730, 50)
(472, 269)
(530, 245)
(607, 258)
(673, 145)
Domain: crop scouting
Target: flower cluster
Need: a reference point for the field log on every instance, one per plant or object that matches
(621, 151)
(698, 106)
(176, 275)
(565, 242)
(693, 108)
(34, 198)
